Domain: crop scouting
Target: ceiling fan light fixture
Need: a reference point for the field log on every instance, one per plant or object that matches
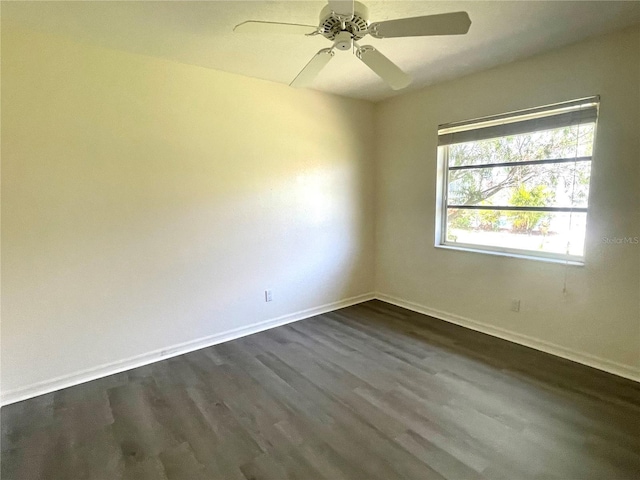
(343, 41)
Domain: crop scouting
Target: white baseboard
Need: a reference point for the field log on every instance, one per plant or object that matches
(118, 366)
(594, 361)
(111, 368)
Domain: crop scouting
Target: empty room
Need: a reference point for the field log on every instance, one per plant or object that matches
(332, 240)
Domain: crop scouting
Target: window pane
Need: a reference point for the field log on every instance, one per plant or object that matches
(548, 232)
(547, 185)
(568, 142)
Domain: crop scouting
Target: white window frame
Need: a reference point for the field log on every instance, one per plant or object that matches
(443, 180)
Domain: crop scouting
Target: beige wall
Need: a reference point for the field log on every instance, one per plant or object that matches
(148, 203)
(598, 321)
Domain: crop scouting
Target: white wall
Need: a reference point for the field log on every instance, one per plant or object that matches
(148, 203)
(598, 322)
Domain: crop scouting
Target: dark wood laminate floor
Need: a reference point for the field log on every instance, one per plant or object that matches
(372, 391)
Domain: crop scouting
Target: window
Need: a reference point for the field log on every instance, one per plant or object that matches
(518, 183)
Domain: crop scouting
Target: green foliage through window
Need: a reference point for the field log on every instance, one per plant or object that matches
(488, 179)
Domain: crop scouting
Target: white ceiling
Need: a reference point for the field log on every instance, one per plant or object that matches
(200, 33)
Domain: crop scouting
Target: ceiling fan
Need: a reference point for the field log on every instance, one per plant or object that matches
(344, 22)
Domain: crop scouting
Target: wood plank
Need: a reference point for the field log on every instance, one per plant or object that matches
(370, 391)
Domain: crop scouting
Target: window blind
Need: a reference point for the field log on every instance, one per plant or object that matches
(525, 121)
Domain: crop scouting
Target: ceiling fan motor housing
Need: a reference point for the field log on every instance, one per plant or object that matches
(331, 26)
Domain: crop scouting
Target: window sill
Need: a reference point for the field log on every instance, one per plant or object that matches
(524, 256)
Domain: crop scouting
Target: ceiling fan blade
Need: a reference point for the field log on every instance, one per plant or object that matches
(312, 69)
(342, 7)
(256, 26)
(456, 23)
(383, 67)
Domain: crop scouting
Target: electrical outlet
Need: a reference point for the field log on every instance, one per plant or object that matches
(268, 296)
(515, 305)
